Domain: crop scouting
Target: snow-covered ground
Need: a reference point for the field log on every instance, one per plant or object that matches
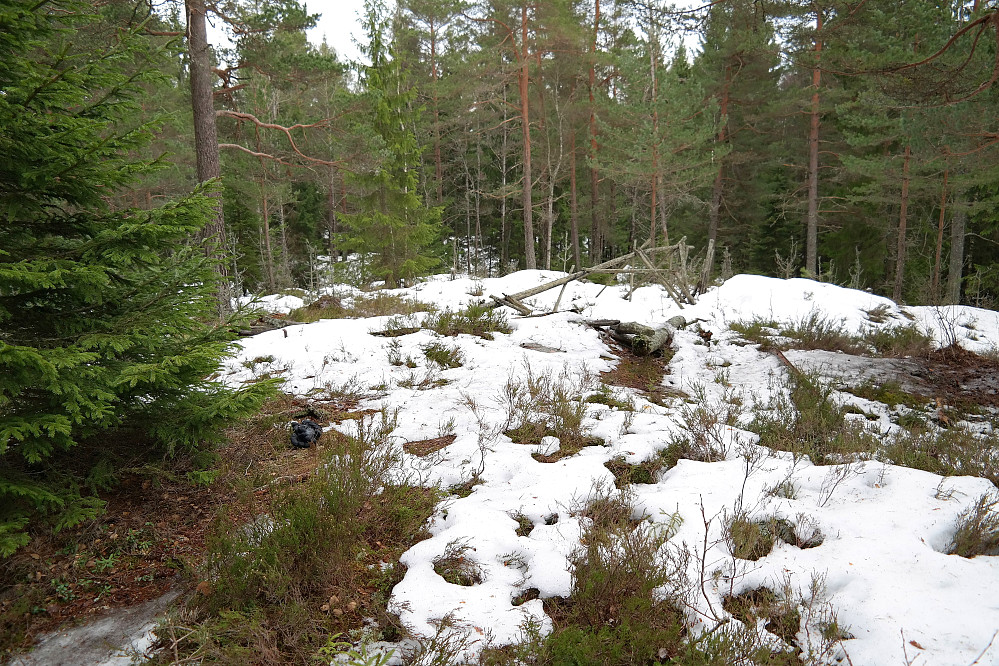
(885, 576)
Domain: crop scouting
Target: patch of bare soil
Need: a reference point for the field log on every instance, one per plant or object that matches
(642, 373)
(962, 378)
(953, 376)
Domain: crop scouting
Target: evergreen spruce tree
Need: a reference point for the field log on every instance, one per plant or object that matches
(391, 221)
(104, 347)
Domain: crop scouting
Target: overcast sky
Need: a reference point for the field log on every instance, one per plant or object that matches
(339, 23)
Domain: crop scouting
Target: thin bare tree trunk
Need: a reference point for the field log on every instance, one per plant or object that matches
(714, 211)
(479, 177)
(902, 223)
(662, 212)
(812, 220)
(525, 118)
(285, 259)
(505, 231)
(331, 226)
(438, 168)
(956, 268)
(940, 235)
(573, 205)
(468, 222)
(596, 238)
(268, 254)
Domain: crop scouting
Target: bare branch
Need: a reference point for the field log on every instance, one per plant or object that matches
(240, 115)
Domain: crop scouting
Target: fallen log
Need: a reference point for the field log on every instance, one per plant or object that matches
(264, 324)
(644, 340)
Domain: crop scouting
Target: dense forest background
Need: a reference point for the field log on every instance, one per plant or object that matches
(849, 141)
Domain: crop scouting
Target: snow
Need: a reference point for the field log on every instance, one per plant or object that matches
(275, 303)
(880, 570)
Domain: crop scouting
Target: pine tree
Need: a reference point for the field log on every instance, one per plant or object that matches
(392, 221)
(103, 345)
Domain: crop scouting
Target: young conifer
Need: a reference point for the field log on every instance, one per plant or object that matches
(107, 324)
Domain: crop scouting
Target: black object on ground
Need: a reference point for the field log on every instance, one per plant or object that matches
(304, 433)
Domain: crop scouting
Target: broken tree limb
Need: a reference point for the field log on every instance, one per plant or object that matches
(534, 291)
(643, 340)
(660, 278)
(613, 266)
(562, 291)
(709, 262)
(512, 303)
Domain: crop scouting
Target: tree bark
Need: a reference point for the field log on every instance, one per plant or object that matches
(525, 118)
(902, 223)
(812, 221)
(438, 168)
(331, 226)
(940, 234)
(268, 253)
(206, 142)
(505, 232)
(573, 205)
(956, 268)
(596, 238)
(714, 211)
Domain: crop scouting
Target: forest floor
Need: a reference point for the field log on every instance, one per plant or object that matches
(150, 541)
(156, 532)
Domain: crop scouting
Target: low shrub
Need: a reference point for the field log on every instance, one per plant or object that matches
(445, 356)
(548, 405)
(780, 612)
(899, 341)
(752, 539)
(377, 304)
(977, 531)
(951, 452)
(810, 423)
(274, 588)
(455, 567)
(818, 332)
(614, 614)
(756, 331)
(476, 319)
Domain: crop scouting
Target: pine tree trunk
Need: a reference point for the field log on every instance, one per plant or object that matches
(331, 218)
(654, 198)
(525, 122)
(438, 169)
(902, 223)
(285, 259)
(956, 268)
(940, 233)
(268, 257)
(714, 211)
(596, 238)
(206, 141)
(812, 221)
(663, 215)
(573, 205)
(479, 177)
(549, 189)
(505, 231)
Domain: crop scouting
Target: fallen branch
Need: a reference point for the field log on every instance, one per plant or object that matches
(644, 340)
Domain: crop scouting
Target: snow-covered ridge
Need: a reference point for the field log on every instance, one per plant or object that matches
(884, 526)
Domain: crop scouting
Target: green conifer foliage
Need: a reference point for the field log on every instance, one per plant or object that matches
(104, 343)
(392, 221)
